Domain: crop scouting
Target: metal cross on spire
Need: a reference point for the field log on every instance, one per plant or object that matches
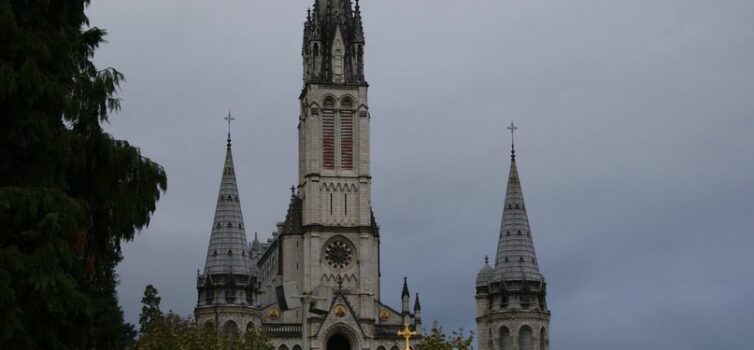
(229, 118)
(513, 129)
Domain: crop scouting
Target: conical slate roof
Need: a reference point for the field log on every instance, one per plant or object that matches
(228, 250)
(515, 259)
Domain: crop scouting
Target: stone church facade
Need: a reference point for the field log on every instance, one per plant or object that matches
(512, 311)
(327, 249)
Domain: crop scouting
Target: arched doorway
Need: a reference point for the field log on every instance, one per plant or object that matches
(338, 342)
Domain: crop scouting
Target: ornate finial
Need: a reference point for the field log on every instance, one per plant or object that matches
(513, 129)
(486, 260)
(229, 118)
(293, 190)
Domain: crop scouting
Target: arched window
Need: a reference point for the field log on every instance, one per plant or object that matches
(506, 341)
(283, 347)
(296, 347)
(249, 327)
(347, 103)
(230, 329)
(394, 348)
(525, 339)
(381, 347)
(543, 339)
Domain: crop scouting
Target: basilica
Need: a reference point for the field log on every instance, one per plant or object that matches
(315, 284)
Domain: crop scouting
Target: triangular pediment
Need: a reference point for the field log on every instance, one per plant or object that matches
(341, 316)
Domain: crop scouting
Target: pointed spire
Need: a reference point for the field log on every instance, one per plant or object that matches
(417, 304)
(405, 293)
(227, 244)
(515, 258)
(335, 26)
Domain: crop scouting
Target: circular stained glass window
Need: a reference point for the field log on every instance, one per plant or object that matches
(338, 254)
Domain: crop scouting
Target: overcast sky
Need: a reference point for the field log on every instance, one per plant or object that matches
(635, 150)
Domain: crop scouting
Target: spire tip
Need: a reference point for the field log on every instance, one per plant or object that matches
(513, 129)
(229, 118)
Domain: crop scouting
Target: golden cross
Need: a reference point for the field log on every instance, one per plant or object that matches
(406, 333)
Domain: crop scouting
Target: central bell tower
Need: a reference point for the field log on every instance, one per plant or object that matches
(334, 177)
(327, 249)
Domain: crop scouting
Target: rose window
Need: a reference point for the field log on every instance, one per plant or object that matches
(338, 254)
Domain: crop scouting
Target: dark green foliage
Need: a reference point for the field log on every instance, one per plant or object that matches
(150, 311)
(437, 340)
(172, 332)
(69, 192)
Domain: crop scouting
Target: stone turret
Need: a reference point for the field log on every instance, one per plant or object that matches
(229, 280)
(511, 306)
(405, 301)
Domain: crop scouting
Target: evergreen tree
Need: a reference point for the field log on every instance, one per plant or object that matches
(150, 311)
(69, 192)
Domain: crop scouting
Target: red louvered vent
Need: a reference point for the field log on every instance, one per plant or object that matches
(346, 141)
(328, 140)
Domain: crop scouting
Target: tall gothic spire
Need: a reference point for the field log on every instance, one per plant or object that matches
(228, 249)
(516, 258)
(333, 46)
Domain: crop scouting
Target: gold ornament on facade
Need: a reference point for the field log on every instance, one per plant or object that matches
(273, 314)
(384, 315)
(340, 310)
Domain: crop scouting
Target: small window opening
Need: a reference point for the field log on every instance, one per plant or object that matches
(524, 301)
(345, 203)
